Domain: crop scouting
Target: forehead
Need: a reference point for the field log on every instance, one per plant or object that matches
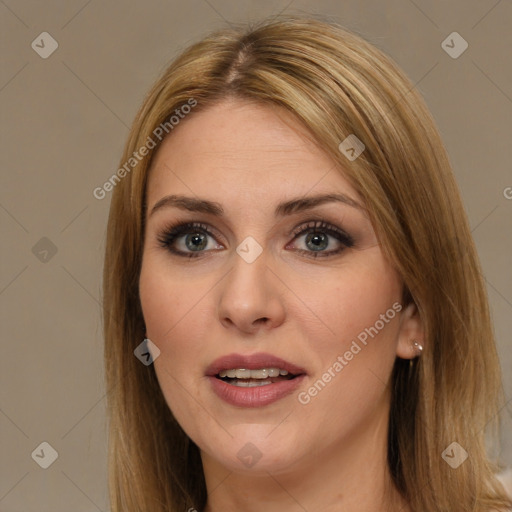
(251, 150)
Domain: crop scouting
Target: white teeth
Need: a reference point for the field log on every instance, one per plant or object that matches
(242, 373)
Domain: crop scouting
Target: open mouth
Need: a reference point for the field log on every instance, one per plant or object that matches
(245, 378)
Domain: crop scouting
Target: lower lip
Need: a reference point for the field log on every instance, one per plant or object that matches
(257, 396)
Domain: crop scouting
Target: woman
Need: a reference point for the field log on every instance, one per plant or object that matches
(287, 247)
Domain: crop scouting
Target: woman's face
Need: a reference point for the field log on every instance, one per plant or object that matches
(274, 265)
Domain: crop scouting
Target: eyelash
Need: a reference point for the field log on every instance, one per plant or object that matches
(169, 235)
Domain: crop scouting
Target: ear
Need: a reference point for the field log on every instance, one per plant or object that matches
(411, 330)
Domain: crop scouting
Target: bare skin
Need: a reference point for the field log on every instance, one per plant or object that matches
(323, 451)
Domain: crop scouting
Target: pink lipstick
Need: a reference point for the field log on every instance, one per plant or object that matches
(253, 380)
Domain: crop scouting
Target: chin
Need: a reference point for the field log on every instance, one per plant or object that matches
(258, 453)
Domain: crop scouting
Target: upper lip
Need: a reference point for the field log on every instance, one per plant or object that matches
(252, 362)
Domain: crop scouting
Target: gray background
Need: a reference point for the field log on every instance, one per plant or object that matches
(64, 122)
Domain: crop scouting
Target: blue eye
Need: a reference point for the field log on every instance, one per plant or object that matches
(189, 239)
(319, 236)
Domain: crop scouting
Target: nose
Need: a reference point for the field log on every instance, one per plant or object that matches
(250, 299)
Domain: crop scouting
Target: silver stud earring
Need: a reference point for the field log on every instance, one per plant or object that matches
(419, 348)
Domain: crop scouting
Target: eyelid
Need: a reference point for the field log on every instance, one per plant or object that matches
(315, 224)
(185, 226)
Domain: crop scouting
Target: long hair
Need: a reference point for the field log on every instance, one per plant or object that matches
(336, 84)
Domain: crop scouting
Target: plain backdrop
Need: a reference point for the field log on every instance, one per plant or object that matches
(64, 122)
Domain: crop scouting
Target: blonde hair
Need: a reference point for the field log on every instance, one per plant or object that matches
(336, 84)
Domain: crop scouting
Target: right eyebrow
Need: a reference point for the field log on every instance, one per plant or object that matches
(190, 204)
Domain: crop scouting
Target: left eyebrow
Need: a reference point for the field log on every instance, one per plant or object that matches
(193, 204)
(307, 203)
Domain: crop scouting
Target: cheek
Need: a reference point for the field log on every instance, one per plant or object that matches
(358, 299)
(179, 314)
(171, 307)
(168, 299)
(363, 311)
